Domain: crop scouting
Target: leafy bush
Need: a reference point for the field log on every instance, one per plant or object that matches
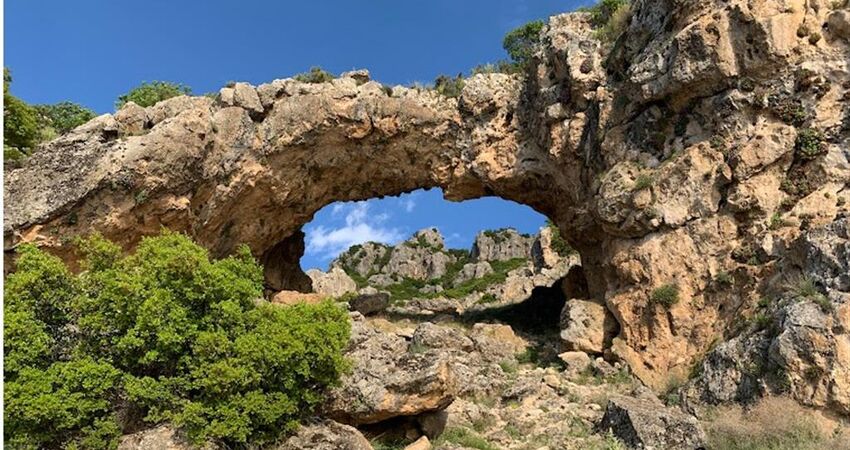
(666, 295)
(20, 121)
(315, 75)
(520, 43)
(448, 86)
(643, 181)
(174, 335)
(809, 144)
(150, 93)
(64, 116)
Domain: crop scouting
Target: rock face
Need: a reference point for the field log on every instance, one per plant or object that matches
(648, 424)
(586, 326)
(501, 245)
(713, 137)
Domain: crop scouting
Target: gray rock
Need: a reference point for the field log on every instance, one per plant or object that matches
(366, 258)
(244, 96)
(131, 118)
(326, 435)
(368, 304)
(429, 335)
(432, 424)
(501, 245)
(824, 255)
(471, 271)
(642, 423)
(360, 75)
(839, 23)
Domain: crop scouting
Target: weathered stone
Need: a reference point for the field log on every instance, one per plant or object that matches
(163, 437)
(574, 362)
(334, 283)
(649, 424)
(294, 297)
(429, 335)
(388, 381)
(471, 271)
(501, 245)
(326, 435)
(432, 424)
(131, 118)
(586, 326)
(839, 24)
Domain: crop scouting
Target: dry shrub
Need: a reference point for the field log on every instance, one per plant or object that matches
(776, 424)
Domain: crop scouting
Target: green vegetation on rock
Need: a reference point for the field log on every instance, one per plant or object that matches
(150, 93)
(163, 334)
(521, 42)
(316, 75)
(610, 18)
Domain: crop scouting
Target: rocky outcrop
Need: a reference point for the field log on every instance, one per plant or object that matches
(643, 423)
(693, 151)
(586, 326)
(368, 304)
(501, 245)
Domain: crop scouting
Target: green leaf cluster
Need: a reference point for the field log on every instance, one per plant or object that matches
(163, 334)
(150, 93)
(521, 42)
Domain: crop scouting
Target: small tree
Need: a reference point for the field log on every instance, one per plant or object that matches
(521, 42)
(166, 334)
(150, 93)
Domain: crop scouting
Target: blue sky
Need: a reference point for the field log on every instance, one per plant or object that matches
(92, 51)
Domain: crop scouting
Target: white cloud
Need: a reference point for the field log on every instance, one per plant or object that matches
(359, 227)
(407, 202)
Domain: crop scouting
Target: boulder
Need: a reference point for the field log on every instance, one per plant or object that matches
(368, 304)
(388, 380)
(429, 335)
(574, 362)
(586, 325)
(496, 342)
(334, 283)
(643, 423)
(163, 437)
(839, 24)
(420, 444)
(292, 297)
(326, 435)
(131, 118)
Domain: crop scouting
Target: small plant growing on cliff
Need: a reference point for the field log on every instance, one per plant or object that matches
(316, 75)
(643, 181)
(150, 93)
(449, 86)
(521, 42)
(559, 244)
(809, 144)
(610, 18)
(166, 333)
(666, 295)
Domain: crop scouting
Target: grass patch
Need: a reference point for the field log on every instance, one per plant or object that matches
(316, 75)
(643, 181)
(773, 424)
(464, 437)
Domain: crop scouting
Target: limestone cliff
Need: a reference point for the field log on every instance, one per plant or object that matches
(683, 162)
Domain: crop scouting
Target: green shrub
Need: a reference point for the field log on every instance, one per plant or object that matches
(521, 42)
(643, 181)
(150, 93)
(20, 120)
(64, 116)
(666, 295)
(172, 334)
(809, 144)
(448, 86)
(601, 13)
(315, 75)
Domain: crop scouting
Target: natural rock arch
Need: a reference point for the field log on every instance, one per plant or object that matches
(661, 167)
